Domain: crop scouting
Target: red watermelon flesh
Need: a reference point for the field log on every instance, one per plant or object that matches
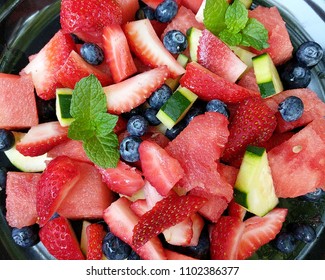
(194, 5)
(17, 102)
(184, 20)
(129, 8)
(280, 48)
(197, 148)
(21, 198)
(216, 56)
(248, 80)
(298, 164)
(314, 108)
(89, 196)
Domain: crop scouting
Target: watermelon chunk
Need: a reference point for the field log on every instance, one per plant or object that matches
(314, 108)
(248, 80)
(216, 56)
(280, 48)
(197, 148)
(17, 102)
(298, 164)
(194, 5)
(21, 198)
(89, 197)
(129, 8)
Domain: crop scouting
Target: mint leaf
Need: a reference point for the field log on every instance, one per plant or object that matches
(88, 98)
(230, 38)
(255, 35)
(236, 17)
(102, 150)
(214, 15)
(92, 124)
(104, 123)
(81, 129)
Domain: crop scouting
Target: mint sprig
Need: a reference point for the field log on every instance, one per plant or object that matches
(233, 26)
(92, 124)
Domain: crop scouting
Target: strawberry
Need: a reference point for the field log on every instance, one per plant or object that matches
(139, 207)
(89, 16)
(122, 179)
(225, 237)
(56, 181)
(171, 255)
(146, 45)
(236, 210)
(253, 123)
(41, 138)
(260, 230)
(121, 221)
(94, 238)
(76, 68)
(166, 213)
(130, 93)
(60, 240)
(117, 53)
(208, 85)
(45, 64)
(158, 167)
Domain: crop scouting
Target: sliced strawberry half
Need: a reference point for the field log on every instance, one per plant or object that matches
(145, 43)
(41, 138)
(236, 210)
(60, 240)
(76, 68)
(166, 213)
(158, 167)
(260, 231)
(225, 237)
(117, 53)
(253, 123)
(121, 221)
(208, 85)
(123, 179)
(92, 236)
(56, 181)
(45, 64)
(90, 15)
(130, 93)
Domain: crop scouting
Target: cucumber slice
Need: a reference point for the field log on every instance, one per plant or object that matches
(193, 37)
(244, 55)
(174, 83)
(267, 76)
(176, 107)
(254, 187)
(247, 3)
(62, 106)
(25, 163)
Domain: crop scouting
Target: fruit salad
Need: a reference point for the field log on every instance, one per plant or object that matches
(166, 129)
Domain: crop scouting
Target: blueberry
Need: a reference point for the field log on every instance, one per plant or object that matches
(150, 115)
(133, 256)
(295, 75)
(7, 140)
(160, 96)
(166, 11)
(285, 242)
(309, 53)
(46, 110)
(291, 108)
(137, 125)
(302, 232)
(145, 12)
(192, 113)
(135, 111)
(129, 148)
(26, 236)
(3, 178)
(114, 248)
(175, 41)
(175, 130)
(217, 105)
(313, 196)
(92, 53)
